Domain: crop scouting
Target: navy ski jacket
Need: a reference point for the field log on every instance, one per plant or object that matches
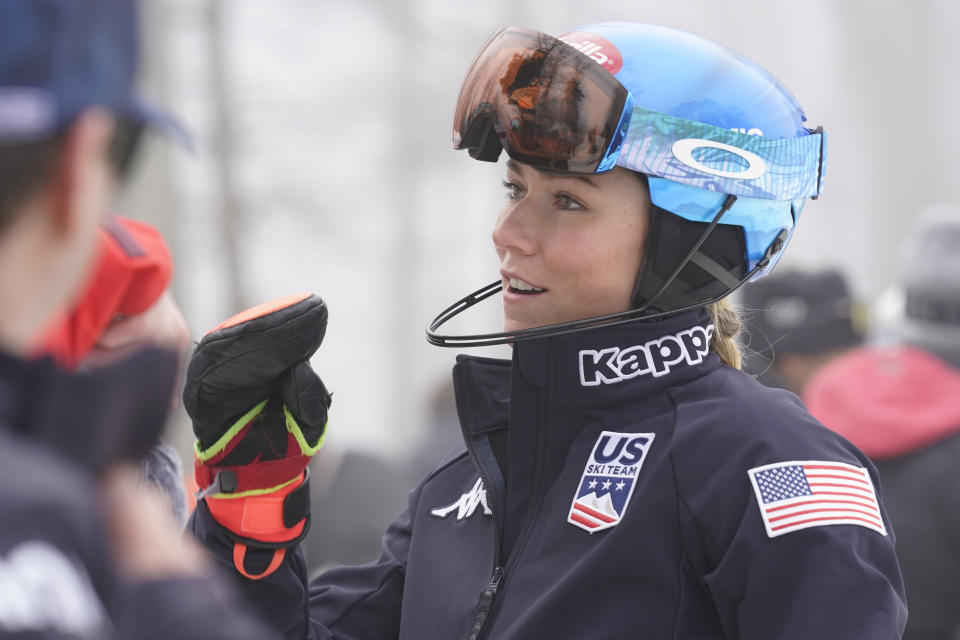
(619, 483)
(57, 576)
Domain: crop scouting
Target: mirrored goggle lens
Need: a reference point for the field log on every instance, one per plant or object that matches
(546, 103)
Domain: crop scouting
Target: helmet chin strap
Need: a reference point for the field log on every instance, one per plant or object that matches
(668, 236)
(643, 312)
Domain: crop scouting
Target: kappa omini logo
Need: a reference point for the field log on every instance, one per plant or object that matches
(656, 357)
(608, 480)
(466, 504)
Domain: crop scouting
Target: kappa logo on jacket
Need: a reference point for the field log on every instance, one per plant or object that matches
(608, 480)
(466, 504)
(656, 357)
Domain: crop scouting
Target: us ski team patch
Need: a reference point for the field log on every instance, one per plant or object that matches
(608, 480)
(801, 494)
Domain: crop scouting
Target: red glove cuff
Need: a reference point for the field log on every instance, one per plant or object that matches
(278, 518)
(261, 476)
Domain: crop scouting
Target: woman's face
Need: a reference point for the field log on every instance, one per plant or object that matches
(570, 247)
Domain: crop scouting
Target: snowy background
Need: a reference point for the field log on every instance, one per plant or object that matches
(322, 161)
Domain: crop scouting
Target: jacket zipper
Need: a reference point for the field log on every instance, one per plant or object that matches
(486, 602)
(530, 519)
(487, 596)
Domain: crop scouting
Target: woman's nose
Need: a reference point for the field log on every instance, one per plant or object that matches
(516, 229)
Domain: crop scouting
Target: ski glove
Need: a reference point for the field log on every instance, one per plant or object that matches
(259, 413)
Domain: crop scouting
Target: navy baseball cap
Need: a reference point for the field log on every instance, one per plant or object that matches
(59, 57)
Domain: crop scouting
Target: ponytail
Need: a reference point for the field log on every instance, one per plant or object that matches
(726, 330)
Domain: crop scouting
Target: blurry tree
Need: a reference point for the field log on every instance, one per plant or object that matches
(229, 202)
(152, 195)
(404, 166)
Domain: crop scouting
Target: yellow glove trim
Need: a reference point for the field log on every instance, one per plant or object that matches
(231, 433)
(294, 429)
(255, 492)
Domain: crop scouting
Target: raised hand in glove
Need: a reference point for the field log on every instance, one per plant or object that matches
(259, 413)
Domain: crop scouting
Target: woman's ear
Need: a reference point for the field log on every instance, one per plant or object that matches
(82, 180)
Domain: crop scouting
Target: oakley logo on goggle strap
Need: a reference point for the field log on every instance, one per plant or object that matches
(655, 358)
(718, 159)
(683, 151)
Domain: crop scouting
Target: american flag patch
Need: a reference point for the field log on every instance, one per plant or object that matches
(798, 495)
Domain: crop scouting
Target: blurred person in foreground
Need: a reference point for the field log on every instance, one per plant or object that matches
(83, 552)
(619, 477)
(796, 322)
(126, 305)
(899, 401)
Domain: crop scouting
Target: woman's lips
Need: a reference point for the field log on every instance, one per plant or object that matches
(517, 285)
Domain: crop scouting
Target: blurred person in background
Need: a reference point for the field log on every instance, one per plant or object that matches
(341, 479)
(340, 482)
(796, 322)
(366, 488)
(620, 477)
(83, 552)
(899, 401)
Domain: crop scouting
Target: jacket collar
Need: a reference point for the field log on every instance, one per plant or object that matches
(94, 417)
(603, 367)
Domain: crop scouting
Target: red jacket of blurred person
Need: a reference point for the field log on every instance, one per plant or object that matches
(889, 402)
(901, 406)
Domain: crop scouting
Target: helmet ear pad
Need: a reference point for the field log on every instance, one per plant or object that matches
(716, 268)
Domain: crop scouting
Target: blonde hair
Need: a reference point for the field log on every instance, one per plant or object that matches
(725, 317)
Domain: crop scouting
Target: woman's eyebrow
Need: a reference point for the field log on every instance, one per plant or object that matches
(513, 165)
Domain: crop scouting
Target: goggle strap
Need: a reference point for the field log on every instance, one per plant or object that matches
(481, 140)
(669, 147)
(823, 141)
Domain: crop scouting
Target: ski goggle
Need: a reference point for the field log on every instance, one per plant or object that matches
(555, 109)
(547, 104)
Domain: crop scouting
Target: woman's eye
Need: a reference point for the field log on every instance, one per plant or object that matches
(514, 191)
(567, 203)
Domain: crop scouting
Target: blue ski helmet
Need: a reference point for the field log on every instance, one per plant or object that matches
(721, 144)
(707, 123)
